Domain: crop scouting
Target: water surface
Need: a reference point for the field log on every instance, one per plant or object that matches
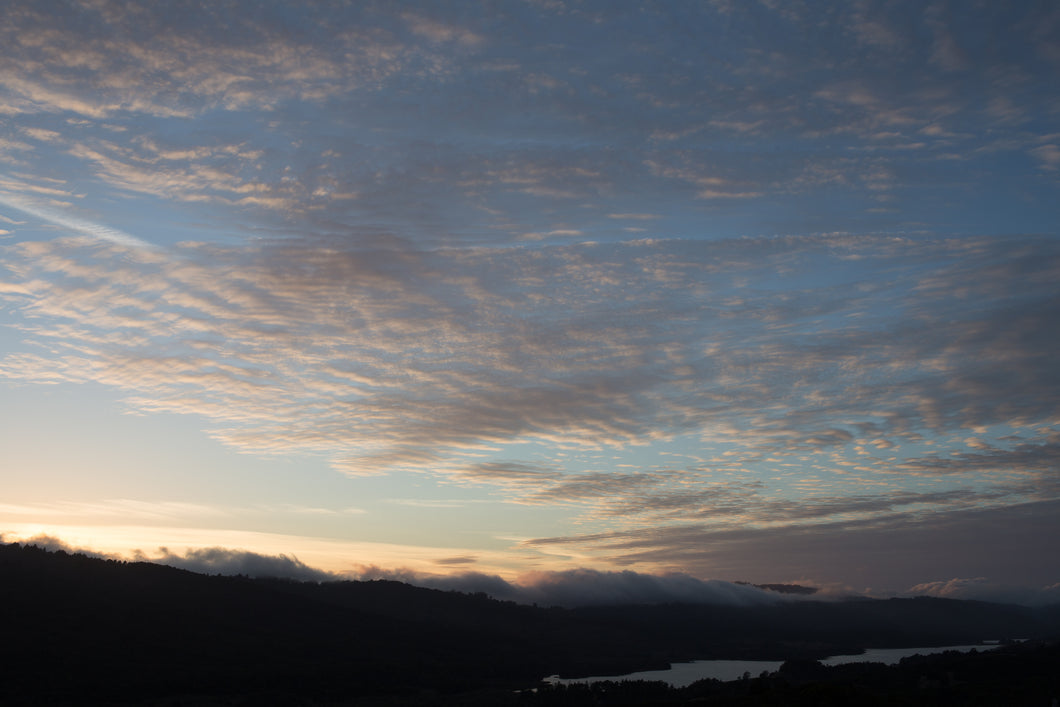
(684, 674)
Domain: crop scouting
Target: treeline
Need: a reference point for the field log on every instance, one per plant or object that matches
(79, 630)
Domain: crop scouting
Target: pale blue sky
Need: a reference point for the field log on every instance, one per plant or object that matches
(760, 291)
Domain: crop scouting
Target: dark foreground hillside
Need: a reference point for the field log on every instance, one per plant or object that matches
(81, 630)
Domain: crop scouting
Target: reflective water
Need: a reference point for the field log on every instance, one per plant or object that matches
(683, 674)
(890, 656)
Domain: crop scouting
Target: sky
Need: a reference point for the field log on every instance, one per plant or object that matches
(532, 291)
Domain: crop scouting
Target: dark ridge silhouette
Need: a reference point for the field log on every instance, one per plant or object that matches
(83, 630)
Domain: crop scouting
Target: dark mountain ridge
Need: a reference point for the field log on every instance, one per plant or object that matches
(79, 629)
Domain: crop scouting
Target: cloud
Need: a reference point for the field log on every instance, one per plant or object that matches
(946, 51)
(441, 31)
(878, 555)
(513, 473)
(214, 175)
(1022, 458)
(584, 587)
(54, 544)
(1048, 155)
(588, 587)
(211, 560)
(461, 153)
(391, 357)
(460, 560)
(568, 588)
(217, 560)
(73, 223)
(980, 589)
(412, 276)
(141, 61)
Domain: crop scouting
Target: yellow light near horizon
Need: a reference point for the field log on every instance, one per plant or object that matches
(331, 555)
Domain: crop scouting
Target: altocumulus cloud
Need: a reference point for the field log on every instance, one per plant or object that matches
(448, 291)
(388, 358)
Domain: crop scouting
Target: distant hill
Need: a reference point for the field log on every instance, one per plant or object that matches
(79, 630)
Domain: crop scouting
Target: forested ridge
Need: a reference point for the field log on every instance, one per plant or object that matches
(78, 629)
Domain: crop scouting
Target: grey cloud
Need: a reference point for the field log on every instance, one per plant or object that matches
(570, 588)
(707, 499)
(519, 473)
(586, 487)
(1012, 545)
(105, 58)
(469, 582)
(980, 589)
(946, 52)
(212, 560)
(218, 560)
(722, 506)
(54, 544)
(587, 587)
(459, 186)
(396, 356)
(814, 507)
(1022, 458)
(583, 587)
(459, 560)
(667, 493)
(446, 162)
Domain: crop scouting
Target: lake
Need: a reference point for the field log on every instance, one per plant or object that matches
(684, 674)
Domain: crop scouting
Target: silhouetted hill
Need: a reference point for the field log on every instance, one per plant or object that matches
(79, 630)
